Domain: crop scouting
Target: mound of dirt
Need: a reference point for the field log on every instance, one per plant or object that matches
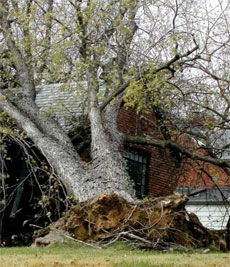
(153, 223)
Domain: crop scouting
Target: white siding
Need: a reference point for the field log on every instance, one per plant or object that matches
(211, 216)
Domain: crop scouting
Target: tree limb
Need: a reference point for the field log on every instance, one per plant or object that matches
(18, 59)
(166, 66)
(119, 90)
(172, 145)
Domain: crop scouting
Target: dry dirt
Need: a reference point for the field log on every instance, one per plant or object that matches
(152, 223)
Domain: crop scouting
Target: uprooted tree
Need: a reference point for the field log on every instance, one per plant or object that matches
(172, 56)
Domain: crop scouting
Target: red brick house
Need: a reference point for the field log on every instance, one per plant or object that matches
(154, 170)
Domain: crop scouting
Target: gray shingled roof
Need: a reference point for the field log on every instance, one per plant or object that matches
(62, 101)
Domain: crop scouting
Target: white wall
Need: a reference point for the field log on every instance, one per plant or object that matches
(211, 216)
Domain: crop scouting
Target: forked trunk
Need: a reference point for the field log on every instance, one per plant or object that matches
(107, 168)
(105, 174)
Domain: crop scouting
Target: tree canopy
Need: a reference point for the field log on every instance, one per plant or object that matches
(169, 55)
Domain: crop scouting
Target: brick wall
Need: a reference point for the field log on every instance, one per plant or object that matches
(198, 173)
(201, 174)
(162, 170)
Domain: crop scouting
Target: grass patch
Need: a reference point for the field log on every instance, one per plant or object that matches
(71, 254)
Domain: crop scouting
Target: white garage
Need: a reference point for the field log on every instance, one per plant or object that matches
(212, 206)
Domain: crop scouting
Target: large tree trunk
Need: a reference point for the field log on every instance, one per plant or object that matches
(107, 167)
(108, 171)
(105, 174)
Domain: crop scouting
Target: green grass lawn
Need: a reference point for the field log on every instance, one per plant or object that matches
(118, 255)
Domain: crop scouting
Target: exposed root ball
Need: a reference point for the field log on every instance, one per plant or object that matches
(151, 223)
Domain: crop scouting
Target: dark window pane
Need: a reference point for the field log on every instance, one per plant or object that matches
(136, 164)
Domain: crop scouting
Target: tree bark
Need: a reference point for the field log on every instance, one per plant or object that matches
(107, 166)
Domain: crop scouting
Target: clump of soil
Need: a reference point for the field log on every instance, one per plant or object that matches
(151, 223)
